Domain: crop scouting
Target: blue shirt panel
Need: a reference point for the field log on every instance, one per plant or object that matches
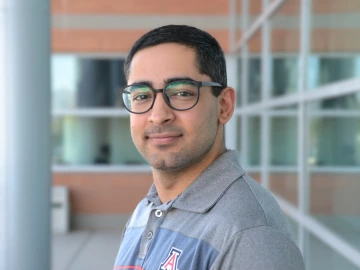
(195, 254)
(130, 248)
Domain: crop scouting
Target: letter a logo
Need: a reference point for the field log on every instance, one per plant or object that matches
(171, 261)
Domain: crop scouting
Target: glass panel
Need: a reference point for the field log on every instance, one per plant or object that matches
(335, 28)
(285, 36)
(334, 163)
(325, 69)
(254, 137)
(253, 65)
(254, 79)
(283, 157)
(252, 60)
(320, 256)
(285, 74)
(338, 104)
(335, 132)
(334, 201)
(89, 141)
(331, 146)
(283, 142)
(79, 82)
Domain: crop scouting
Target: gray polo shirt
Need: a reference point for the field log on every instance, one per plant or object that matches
(223, 220)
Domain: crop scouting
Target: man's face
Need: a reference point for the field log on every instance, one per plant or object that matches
(172, 140)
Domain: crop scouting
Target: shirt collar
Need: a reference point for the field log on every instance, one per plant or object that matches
(209, 187)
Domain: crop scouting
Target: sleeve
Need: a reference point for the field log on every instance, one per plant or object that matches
(260, 248)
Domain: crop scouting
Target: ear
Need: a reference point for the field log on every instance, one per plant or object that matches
(226, 101)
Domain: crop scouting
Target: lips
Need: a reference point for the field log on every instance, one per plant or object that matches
(163, 138)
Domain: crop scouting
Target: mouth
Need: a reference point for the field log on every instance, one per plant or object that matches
(163, 138)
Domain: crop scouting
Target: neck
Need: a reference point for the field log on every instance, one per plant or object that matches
(170, 184)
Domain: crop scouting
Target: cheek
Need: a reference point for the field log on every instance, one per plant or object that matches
(202, 122)
(135, 126)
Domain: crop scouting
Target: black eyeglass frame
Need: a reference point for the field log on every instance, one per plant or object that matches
(198, 84)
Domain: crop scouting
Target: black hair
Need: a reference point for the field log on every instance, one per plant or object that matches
(210, 58)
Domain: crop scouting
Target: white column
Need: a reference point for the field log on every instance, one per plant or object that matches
(2, 137)
(231, 67)
(303, 125)
(231, 127)
(25, 141)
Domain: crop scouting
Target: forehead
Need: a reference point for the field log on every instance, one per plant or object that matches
(164, 61)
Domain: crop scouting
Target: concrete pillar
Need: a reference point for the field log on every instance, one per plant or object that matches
(25, 141)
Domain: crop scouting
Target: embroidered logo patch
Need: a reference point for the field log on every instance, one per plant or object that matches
(171, 261)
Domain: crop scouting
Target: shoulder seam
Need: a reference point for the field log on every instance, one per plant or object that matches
(266, 218)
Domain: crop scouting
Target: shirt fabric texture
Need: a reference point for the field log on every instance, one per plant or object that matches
(223, 220)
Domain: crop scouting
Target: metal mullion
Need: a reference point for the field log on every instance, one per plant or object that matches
(312, 169)
(271, 9)
(100, 168)
(350, 113)
(265, 89)
(335, 169)
(92, 55)
(244, 85)
(303, 175)
(312, 114)
(334, 90)
(94, 112)
(244, 55)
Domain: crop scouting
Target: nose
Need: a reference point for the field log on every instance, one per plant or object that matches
(161, 113)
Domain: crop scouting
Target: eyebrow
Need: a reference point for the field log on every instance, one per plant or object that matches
(170, 80)
(166, 81)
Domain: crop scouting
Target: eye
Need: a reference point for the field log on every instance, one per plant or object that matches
(141, 97)
(181, 89)
(140, 93)
(184, 94)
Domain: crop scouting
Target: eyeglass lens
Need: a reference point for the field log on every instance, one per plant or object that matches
(181, 95)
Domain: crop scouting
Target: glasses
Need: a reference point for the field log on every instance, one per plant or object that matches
(180, 95)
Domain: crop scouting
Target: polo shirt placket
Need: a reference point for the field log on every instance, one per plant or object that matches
(156, 218)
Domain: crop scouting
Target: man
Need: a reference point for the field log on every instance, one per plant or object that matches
(203, 211)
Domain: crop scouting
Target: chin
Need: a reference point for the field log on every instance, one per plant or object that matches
(167, 162)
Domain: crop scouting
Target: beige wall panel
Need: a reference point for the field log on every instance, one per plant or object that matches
(284, 40)
(140, 7)
(104, 193)
(94, 40)
(110, 41)
(330, 194)
(322, 41)
(292, 7)
(339, 40)
(335, 6)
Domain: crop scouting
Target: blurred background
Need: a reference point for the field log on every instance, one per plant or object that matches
(70, 175)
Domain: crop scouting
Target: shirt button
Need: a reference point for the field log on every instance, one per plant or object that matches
(158, 213)
(149, 235)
